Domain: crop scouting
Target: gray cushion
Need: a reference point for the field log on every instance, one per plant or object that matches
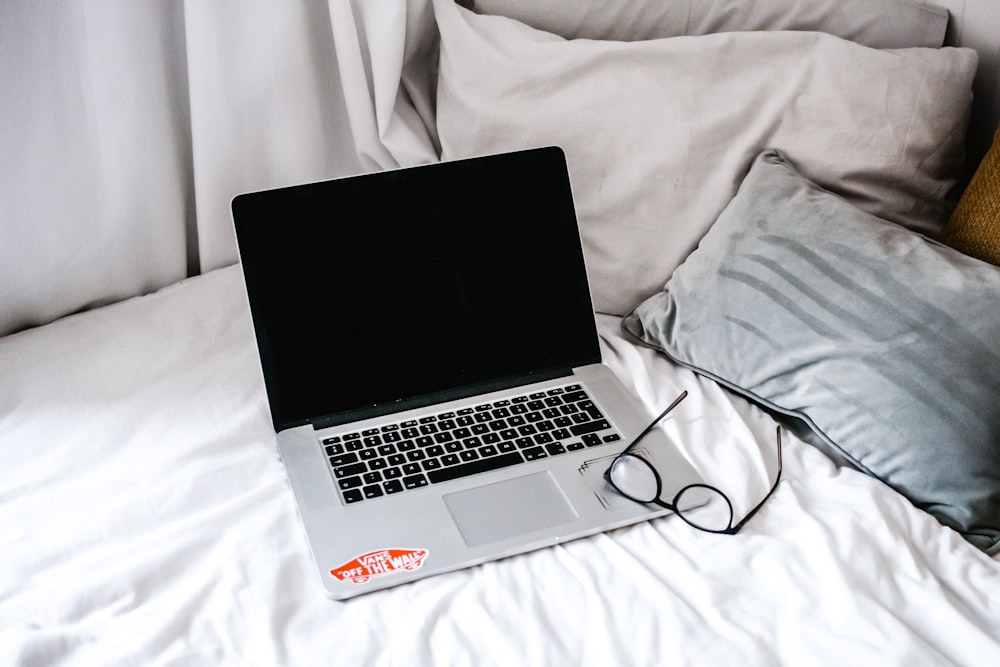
(886, 343)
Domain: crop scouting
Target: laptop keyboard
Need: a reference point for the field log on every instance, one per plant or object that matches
(441, 447)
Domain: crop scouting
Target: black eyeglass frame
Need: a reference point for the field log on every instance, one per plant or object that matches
(674, 504)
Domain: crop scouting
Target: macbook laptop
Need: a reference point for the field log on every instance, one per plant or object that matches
(432, 366)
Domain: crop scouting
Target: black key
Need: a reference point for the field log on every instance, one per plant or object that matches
(453, 447)
(469, 455)
(488, 450)
(561, 434)
(555, 449)
(446, 415)
(414, 481)
(568, 409)
(461, 433)
(353, 496)
(474, 467)
(373, 491)
(527, 429)
(334, 450)
(390, 427)
(352, 436)
(508, 434)
(349, 470)
(536, 405)
(431, 464)
(406, 446)
(534, 417)
(425, 441)
(435, 450)
(471, 443)
(331, 440)
(443, 437)
(479, 429)
(353, 445)
(386, 450)
(553, 401)
(408, 423)
(415, 455)
(497, 425)
(491, 438)
(557, 390)
(465, 421)
(574, 396)
(369, 454)
(393, 486)
(524, 442)
(580, 418)
(507, 447)
(392, 436)
(410, 432)
(591, 439)
(350, 482)
(572, 387)
(484, 407)
(369, 431)
(519, 399)
(573, 446)
(533, 453)
(450, 459)
(545, 425)
(343, 459)
(446, 425)
(372, 441)
(377, 464)
(517, 420)
(502, 403)
(392, 473)
(397, 460)
(465, 411)
(543, 438)
(518, 409)
(537, 394)
(428, 419)
(613, 437)
(427, 429)
(411, 469)
(590, 427)
(483, 417)
(562, 422)
(551, 413)
(372, 477)
(500, 413)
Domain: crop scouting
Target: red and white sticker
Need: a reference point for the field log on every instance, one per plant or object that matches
(377, 563)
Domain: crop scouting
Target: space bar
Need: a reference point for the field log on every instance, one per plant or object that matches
(473, 467)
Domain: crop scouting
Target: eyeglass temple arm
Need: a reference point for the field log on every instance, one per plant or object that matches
(659, 417)
(735, 529)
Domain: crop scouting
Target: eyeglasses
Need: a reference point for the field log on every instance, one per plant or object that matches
(700, 505)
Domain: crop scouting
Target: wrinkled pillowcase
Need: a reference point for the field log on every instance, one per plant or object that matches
(659, 133)
(880, 24)
(886, 343)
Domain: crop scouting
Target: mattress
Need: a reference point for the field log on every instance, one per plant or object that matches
(146, 519)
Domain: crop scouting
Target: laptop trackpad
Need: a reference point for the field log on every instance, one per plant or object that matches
(505, 509)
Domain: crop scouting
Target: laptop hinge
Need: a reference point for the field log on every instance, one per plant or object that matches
(433, 399)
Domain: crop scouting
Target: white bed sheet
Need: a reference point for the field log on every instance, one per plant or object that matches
(146, 520)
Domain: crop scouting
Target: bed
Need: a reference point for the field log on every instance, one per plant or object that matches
(721, 155)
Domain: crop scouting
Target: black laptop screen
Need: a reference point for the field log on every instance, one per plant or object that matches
(373, 292)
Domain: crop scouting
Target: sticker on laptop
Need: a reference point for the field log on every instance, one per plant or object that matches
(377, 563)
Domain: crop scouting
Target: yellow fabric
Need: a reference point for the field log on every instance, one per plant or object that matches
(974, 227)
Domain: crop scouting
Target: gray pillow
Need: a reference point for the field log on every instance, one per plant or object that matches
(885, 342)
(880, 24)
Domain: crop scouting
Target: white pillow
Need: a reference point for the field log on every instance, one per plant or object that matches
(658, 134)
(882, 24)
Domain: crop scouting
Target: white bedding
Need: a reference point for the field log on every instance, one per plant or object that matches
(146, 520)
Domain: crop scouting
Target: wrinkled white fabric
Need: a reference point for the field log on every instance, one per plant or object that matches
(146, 520)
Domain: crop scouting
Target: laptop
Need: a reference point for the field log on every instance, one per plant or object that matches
(432, 366)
